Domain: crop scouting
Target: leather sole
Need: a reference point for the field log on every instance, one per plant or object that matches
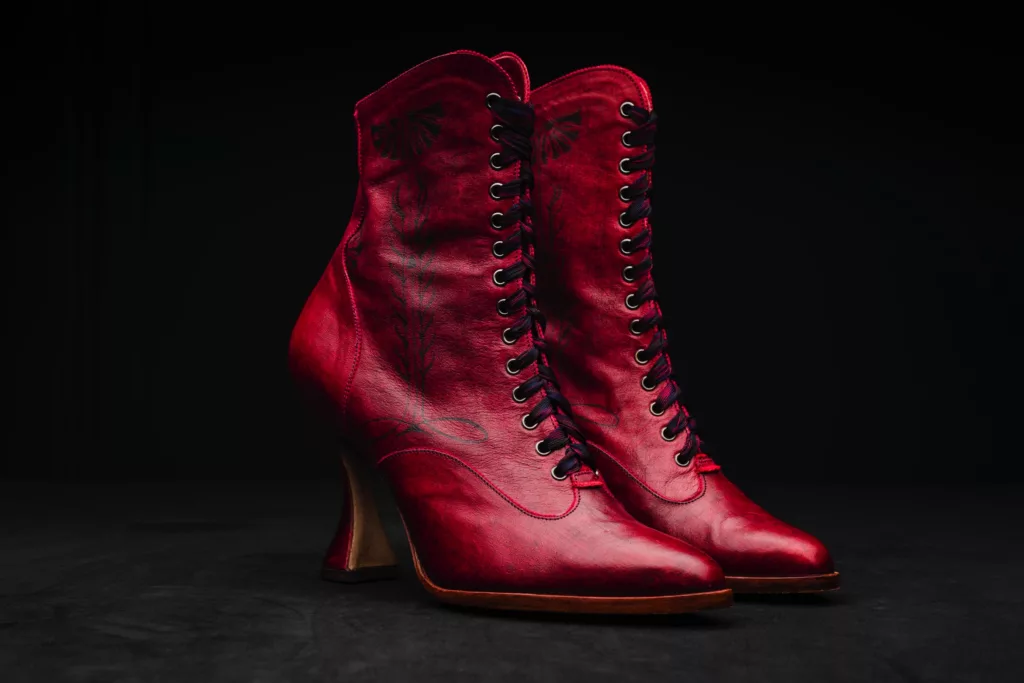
(818, 583)
(577, 604)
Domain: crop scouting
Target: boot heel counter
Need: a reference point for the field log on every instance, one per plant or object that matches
(323, 351)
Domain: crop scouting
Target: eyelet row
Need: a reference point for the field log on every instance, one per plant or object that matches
(624, 222)
(496, 277)
(627, 275)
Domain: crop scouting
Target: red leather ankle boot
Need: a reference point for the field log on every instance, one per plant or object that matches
(424, 340)
(593, 154)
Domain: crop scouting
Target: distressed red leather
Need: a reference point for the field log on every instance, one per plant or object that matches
(403, 338)
(578, 146)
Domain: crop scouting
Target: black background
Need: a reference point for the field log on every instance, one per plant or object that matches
(838, 222)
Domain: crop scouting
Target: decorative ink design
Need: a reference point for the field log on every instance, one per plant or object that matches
(408, 136)
(411, 292)
(553, 221)
(555, 138)
(413, 320)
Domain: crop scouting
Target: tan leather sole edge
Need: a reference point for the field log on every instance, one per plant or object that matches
(819, 583)
(533, 602)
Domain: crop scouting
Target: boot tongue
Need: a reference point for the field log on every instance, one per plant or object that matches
(516, 70)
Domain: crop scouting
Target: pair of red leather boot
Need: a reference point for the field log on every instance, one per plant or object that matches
(543, 471)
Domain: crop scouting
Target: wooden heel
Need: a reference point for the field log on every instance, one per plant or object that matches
(360, 550)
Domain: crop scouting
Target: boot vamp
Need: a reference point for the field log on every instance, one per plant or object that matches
(743, 537)
(592, 547)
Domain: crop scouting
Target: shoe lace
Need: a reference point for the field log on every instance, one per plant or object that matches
(637, 194)
(513, 130)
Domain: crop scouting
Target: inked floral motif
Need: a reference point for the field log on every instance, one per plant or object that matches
(410, 135)
(412, 318)
(553, 221)
(412, 293)
(555, 138)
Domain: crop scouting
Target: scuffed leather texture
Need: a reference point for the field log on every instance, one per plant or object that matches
(404, 338)
(577, 148)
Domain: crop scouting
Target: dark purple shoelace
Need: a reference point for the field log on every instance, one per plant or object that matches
(637, 194)
(514, 129)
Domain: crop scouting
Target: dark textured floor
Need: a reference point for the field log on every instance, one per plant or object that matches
(213, 582)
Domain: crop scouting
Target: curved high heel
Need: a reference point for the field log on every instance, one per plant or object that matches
(360, 550)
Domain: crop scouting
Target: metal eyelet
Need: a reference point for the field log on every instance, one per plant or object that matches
(644, 386)
(634, 327)
(494, 277)
(622, 196)
(496, 249)
(497, 216)
(527, 426)
(622, 220)
(630, 304)
(625, 139)
(636, 357)
(495, 129)
(505, 337)
(654, 412)
(494, 164)
(509, 370)
(502, 310)
(622, 169)
(622, 108)
(667, 438)
(493, 195)
(682, 463)
(541, 453)
(624, 246)
(515, 396)
(555, 476)
(493, 96)
(627, 274)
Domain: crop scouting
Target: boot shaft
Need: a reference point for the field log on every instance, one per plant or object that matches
(412, 332)
(590, 263)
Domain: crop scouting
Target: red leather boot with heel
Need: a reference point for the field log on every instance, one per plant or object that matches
(594, 151)
(424, 341)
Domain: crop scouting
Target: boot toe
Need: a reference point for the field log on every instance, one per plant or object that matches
(662, 566)
(783, 551)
